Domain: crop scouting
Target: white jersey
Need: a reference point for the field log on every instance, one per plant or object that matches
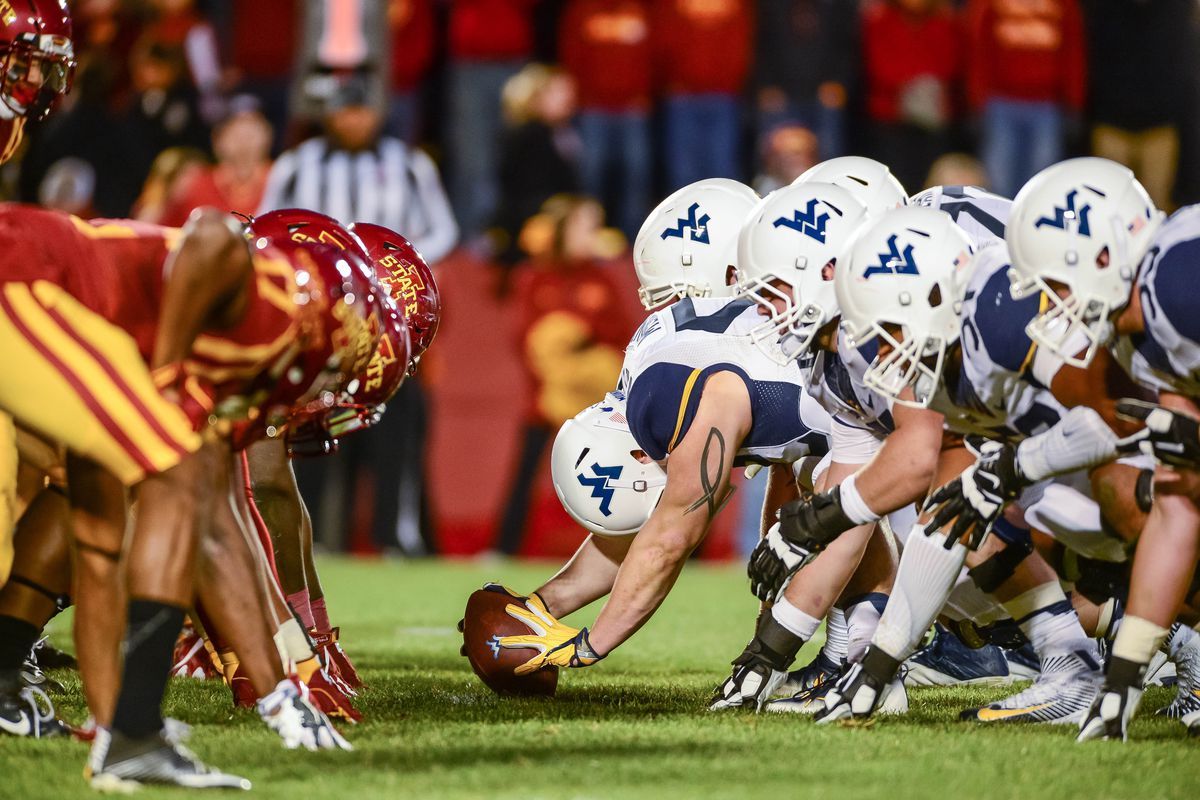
(836, 382)
(996, 393)
(981, 214)
(1166, 357)
(673, 353)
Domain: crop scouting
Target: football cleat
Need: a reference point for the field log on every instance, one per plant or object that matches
(750, 686)
(192, 658)
(50, 657)
(327, 695)
(1060, 695)
(28, 712)
(821, 671)
(329, 643)
(244, 695)
(867, 687)
(290, 713)
(1023, 663)
(806, 701)
(1187, 686)
(120, 764)
(946, 661)
(33, 677)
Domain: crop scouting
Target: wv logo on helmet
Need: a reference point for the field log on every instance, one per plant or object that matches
(698, 227)
(599, 485)
(806, 222)
(1062, 215)
(894, 262)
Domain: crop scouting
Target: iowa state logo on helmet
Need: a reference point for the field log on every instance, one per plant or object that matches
(403, 279)
(598, 483)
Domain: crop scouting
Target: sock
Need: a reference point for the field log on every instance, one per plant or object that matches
(293, 643)
(837, 636)
(299, 603)
(1138, 640)
(923, 582)
(320, 615)
(17, 638)
(862, 619)
(968, 601)
(1110, 619)
(149, 641)
(797, 622)
(1048, 619)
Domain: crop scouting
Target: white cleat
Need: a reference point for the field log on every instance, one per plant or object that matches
(289, 712)
(1061, 694)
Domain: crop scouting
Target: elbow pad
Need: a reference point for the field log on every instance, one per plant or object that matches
(1080, 440)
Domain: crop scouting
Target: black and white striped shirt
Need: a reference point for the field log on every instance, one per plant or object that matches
(392, 185)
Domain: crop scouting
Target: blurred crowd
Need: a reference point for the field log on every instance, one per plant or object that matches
(537, 134)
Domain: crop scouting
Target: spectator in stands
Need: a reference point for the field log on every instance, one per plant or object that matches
(913, 65)
(172, 169)
(540, 150)
(703, 55)
(1144, 61)
(263, 64)
(787, 153)
(957, 169)
(162, 114)
(242, 145)
(1025, 83)
(572, 332)
(177, 23)
(606, 45)
(806, 57)
(412, 40)
(489, 42)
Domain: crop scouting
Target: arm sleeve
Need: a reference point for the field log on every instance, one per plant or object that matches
(1080, 440)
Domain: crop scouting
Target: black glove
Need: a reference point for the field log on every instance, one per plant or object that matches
(816, 521)
(975, 499)
(1170, 436)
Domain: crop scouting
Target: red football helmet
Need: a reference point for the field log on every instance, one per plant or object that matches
(302, 225)
(39, 57)
(409, 280)
(341, 317)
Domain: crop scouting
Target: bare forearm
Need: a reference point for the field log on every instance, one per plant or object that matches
(587, 577)
(651, 568)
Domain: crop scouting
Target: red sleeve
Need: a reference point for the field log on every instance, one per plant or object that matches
(978, 21)
(1074, 57)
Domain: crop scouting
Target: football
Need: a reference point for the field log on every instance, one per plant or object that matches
(485, 621)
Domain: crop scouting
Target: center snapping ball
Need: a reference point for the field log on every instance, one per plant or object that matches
(484, 622)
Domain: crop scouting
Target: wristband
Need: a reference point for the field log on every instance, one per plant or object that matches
(853, 505)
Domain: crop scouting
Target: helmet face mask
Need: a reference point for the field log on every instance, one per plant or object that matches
(689, 241)
(603, 480)
(38, 57)
(903, 285)
(1077, 235)
(788, 251)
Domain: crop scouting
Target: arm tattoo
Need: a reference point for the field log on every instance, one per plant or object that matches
(711, 484)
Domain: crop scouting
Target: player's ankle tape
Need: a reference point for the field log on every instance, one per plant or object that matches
(774, 644)
(1124, 674)
(17, 638)
(880, 665)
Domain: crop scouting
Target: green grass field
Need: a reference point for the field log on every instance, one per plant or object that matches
(633, 726)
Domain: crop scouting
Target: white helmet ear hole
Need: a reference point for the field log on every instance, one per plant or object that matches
(1103, 258)
(935, 296)
(827, 271)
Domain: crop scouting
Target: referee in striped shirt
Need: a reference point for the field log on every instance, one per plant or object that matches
(353, 174)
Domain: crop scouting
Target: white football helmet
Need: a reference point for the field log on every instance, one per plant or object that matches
(601, 476)
(904, 282)
(870, 181)
(795, 236)
(688, 242)
(1084, 224)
